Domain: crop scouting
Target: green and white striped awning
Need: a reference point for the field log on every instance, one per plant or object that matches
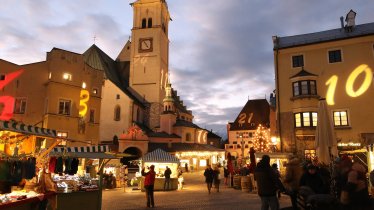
(27, 129)
(98, 148)
(160, 156)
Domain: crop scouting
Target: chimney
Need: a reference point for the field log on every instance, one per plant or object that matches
(342, 21)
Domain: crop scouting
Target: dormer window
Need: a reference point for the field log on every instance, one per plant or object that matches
(67, 76)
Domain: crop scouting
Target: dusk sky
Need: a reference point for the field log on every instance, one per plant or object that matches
(221, 51)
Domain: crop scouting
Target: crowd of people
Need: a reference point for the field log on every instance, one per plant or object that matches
(342, 185)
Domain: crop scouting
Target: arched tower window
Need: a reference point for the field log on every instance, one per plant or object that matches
(144, 23)
(149, 22)
(117, 113)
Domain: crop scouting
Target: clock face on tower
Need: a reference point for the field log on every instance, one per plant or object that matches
(145, 45)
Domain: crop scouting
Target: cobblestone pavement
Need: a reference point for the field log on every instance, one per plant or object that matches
(194, 195)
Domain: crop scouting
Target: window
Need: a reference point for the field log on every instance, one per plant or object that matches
(305, 119)
(92, 116)
(20, 106)
(188, 137)
(304, 87)
(95, 91)
(64, 107)
(117, 113)
(2, 77)
(144, 23)
(149, 22)
(310, 154)
(340, 118)
(297, 61)
(84, 85)
(335, 56)
(118, 96)
(62, 134)
(67, 76)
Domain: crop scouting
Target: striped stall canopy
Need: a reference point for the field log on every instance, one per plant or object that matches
(101, 148)
(160, 156)
(27, 129)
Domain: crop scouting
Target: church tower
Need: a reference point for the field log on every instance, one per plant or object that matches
(150, 54)
(168, 117)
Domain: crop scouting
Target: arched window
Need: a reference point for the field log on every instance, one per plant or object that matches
(188, 137)
(149, 22)
(144, 23)
(117, 113)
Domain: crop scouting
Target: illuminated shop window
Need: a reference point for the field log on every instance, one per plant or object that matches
(20, 106)
(305, 119)
(64, 107)
(117, 113)
(304, 87)
(340, 118)
(92, 116)
(67, 76)
(335, 56)
(297, 61)
(62, 134)
(310, 154)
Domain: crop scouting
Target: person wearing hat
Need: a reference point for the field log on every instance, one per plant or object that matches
(149, 183)
(312, 179)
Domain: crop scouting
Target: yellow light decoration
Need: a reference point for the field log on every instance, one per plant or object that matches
(352, 78)
(261, 140)
(85, 96)
(332, 82)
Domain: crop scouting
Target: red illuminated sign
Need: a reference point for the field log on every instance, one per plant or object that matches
(8, 101)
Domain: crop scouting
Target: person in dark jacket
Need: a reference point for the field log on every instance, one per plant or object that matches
(313, 179)
(167, 174)
(208, 173)
(267, 184)
(149, 183)
(216, 178)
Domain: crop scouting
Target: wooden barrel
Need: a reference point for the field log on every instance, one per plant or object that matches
(245, 183)
(236, 181)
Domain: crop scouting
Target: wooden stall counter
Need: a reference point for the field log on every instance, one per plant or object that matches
(159, 184)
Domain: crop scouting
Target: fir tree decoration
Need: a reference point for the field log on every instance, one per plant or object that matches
(261, 140)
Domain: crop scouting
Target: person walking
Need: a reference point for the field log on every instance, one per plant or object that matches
(313, 179)
(208, 173)
(149, 182)
(267, 184)
(226, 174)
(274, 166)
(186, 167)
(216, 178)
(167, 174)
(292, 178)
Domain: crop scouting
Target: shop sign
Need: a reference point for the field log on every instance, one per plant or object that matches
(350, 144)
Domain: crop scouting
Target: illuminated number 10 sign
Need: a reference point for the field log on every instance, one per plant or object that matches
(333, 81)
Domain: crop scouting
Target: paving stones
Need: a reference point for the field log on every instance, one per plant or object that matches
(193, 196)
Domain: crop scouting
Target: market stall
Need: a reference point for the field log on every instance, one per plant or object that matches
(20, 162)
(280, 159)
(83, 187)
(160, 159)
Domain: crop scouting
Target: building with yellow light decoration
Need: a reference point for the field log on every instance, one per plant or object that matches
(335, 64)
(90, 98)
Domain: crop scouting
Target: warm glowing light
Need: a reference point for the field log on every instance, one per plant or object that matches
(352, 78)
(67, 76)
(332, 82)
(85, 96)
(274, 140)
(261, 141)
(84, 85)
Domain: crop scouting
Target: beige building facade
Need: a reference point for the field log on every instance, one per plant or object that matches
(337, 65)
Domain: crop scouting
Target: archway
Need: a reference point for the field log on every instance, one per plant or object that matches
(136, 154)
